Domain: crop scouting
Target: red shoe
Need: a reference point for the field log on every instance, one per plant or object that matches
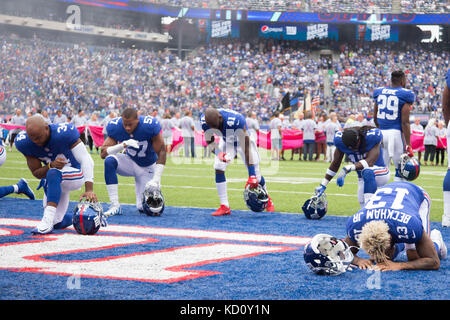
(270, 206)
(222, 211)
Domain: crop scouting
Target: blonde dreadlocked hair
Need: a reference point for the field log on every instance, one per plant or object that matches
(375, 240)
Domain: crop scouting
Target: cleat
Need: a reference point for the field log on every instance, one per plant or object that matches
(45, 226)
(270, 206)
(222, 211)
(114, 210)
(436, 236)
(446, 221)
(25, 189)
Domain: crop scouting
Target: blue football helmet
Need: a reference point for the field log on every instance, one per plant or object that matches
(256, 199)
(409, 167)
(153, 202)
(88, 217)
(327, 255)
(315, 207)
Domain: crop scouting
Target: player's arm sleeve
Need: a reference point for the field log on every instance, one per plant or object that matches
(81, 154)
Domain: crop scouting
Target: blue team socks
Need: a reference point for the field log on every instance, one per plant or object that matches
(446, 185)
(111, 170)
(54, 179)
(370, 185)
(220, 177)
(4, 191)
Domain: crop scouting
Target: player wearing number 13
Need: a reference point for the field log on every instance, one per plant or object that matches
(144, 157)
(391, 115)
(396, 218)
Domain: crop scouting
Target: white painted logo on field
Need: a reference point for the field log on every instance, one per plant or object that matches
(34, 254)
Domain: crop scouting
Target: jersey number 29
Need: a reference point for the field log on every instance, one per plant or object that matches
(387, 103)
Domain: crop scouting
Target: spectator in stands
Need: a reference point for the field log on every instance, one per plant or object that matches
(276, 136)
(431, 133)
(18, 120)
(59, 117)
(167, 125)
(417, 128)
(297, 124)
(188, 133)
(440, 147)
(331, 127)
(93, 121)
(309, 128)
(79, 120)
(321, 139)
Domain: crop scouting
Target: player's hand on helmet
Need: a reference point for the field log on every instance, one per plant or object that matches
(224, 157)
(320, 190)
(344, 171)
(252, 182)
(409, 151)
(152, 185)
(89, 196)
(131, 143)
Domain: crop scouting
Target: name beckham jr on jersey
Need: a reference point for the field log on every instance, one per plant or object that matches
(383, 214)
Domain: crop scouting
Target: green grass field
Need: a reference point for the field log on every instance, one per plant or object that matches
(190, 183)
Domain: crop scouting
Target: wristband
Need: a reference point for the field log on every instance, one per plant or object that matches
(325, 182)
(331, 173)
(364, 164)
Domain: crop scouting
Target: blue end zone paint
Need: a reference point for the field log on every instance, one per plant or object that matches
(271, 276)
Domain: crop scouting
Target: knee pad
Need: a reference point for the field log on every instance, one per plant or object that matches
(110, 170)
(370, 185)
(54, 179)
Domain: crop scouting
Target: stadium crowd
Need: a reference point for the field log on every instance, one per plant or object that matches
(245, 77)
(42, 76)
(361, 6)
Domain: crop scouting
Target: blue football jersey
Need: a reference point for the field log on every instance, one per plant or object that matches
(147, 128)
(398, 205)
(447, 78)
(390, 102)
(373, 138)
(62, 137)
(232, 121)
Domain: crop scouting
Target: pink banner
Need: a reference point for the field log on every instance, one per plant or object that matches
(292, 139)
(321, 136)
(97, 135)
(442, 143)
(417, 141)
(11, 126)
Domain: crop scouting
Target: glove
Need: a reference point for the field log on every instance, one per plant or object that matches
(224, 157)
(320, 190)
(152, 185)
(131, 143)
(409, 151)
(252, 181)
(343, 173)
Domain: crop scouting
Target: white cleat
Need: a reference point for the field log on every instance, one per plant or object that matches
(436, 236)
(446, 221)
(114, 210)
(45, 226)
